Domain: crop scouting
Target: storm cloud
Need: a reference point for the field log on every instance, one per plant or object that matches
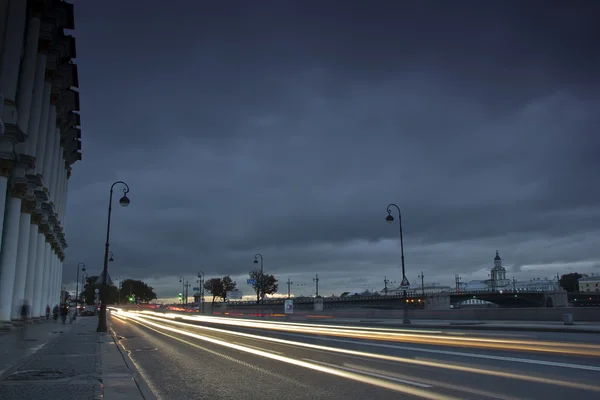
(287, 127)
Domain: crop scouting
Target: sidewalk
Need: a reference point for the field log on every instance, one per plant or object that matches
(65, 362)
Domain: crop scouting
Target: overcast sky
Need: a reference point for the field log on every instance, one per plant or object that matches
(287, 127)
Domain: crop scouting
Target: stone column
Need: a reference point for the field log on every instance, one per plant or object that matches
(33, 127)
(3, 11)
(27, 78)
(52, 289)
(51, 183)
(63, 185)
(47, 111)
(39, 303)
(6, 167)
(60, 272)
(32, 262)
(50, 150)
(27, 207)
(11, 57)
(8, 255)
(46, 270)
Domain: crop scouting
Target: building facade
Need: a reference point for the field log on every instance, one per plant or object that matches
(590, 284)
(40, 139)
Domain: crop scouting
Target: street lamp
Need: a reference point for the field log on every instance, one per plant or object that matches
(182, 281)
(82, 265)
(405, 283)
(124, 202)
(111, 258)
(260, 281)
(201, 280)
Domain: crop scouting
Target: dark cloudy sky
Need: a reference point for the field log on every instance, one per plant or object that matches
(286, 127)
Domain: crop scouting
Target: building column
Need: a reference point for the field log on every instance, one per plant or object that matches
(11, 57)
(46, 271)
(47, 111)
(6, 167)
(50, 149)
(50, 177)
(39, 303)
(33, 127)
(52, 281)
(27, 78)
(8, 255)
(61, 190)
(27, 207)
(32, 263)
(60, 273)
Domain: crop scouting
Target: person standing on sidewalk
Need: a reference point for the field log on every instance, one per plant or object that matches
(47, 312)
(24, 319)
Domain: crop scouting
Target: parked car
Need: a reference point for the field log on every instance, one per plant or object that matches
(88, 310)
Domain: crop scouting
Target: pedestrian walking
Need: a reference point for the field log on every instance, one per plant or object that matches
(47, 312)
(55, 312)
(64, 312)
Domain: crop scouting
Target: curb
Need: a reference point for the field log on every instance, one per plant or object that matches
(139, 380)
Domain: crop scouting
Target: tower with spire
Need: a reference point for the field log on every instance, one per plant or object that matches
(498, 273)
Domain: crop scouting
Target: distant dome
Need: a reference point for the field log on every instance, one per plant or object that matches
(497, 258)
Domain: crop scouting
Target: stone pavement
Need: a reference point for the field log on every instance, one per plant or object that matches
(66, 363)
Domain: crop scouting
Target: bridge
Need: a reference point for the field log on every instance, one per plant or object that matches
(418, 300)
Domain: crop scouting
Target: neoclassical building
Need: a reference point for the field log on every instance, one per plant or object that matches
(40, 139)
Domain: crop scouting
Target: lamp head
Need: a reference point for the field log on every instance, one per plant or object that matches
(124, 202)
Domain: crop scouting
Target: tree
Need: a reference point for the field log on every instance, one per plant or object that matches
(219, 287)
(569, 282)
(88, 295)
(214, 286)
(229, 285)
(264, 284)
(139, 289)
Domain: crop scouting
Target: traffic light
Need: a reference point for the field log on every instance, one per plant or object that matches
(180, 297)
(132, 298)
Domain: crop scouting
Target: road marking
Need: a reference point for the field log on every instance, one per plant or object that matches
(257, 348)
(437, 383)
(373, 374)
(457, 353)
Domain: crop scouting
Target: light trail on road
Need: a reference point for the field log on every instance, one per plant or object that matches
(394, 335)
(383, 383)
(190, 330)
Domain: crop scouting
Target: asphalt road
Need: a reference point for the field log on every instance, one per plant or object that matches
(212, 359)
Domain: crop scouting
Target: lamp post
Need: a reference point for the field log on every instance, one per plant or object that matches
(182, 281)
(405, 282)
(260, 281)
(84, 276)
(82, 265)
(124, 202)
(201, 280)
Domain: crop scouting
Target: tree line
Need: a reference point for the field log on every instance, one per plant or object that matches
(131, 291)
